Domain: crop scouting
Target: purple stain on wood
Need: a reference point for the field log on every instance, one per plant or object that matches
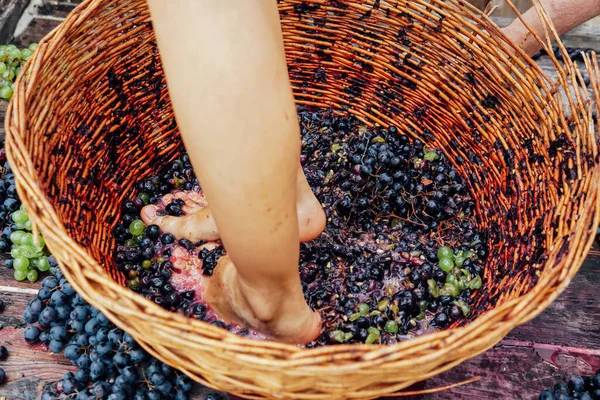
(552, 353)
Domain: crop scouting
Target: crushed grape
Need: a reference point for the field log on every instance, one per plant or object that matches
(401, 254)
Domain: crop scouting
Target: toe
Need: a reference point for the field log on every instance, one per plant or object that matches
(149, 214)
(198, 198)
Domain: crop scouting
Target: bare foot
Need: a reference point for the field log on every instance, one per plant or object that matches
(227, 301)
(283, 314)
(199, 224)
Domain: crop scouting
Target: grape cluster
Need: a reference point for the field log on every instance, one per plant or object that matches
(11, 61)
(29, 256)
(578, 387)
(401, 254)
(111, 365)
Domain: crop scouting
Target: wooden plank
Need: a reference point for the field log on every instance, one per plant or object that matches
(514, 370)
(29, 367)
(7, 279)
(574, 318)
(36, 30)
(58, 9)
(10, 13)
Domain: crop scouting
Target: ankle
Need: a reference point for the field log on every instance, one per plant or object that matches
(269, 304)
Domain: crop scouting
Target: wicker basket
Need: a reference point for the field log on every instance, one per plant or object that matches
(91, 115)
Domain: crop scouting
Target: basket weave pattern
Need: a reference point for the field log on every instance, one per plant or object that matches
(91, 116)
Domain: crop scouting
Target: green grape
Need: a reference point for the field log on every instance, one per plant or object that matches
(450, 289)
(373, 335)
(451, 278)
(2, 68)
(14, 252)
(459, 260)
(337, 335)
(20, 275)
(20, 226)
(137, 227)
(145, 197)
(363, 308)
(21, 263)
(25, 251)
(146, 264)
(42, 264)
(431, 156)
(391, 327)
(16, 237)
(33, 46)
(6, 93)
(26, 53)
(32, 275)
(11, 47)
(445, 252)
(131, 243)
(15, 54)
(446, 264)
(475, 283)
(27, 239)
(19, 216)
(28, 225)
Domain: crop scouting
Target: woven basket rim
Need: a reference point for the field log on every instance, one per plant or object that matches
(523, 309)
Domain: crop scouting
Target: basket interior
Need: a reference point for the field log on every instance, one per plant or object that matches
(420, 69)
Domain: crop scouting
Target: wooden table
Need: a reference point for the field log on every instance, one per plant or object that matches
(562, 341)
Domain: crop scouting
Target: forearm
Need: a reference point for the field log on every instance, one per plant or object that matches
(565, 15)
(225, 66)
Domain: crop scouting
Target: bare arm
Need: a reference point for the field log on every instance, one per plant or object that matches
(565, 14)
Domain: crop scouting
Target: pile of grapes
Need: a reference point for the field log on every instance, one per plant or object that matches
(110, 363)
(578, 387)
(401, 254)
(28, 256)
(11, 61)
